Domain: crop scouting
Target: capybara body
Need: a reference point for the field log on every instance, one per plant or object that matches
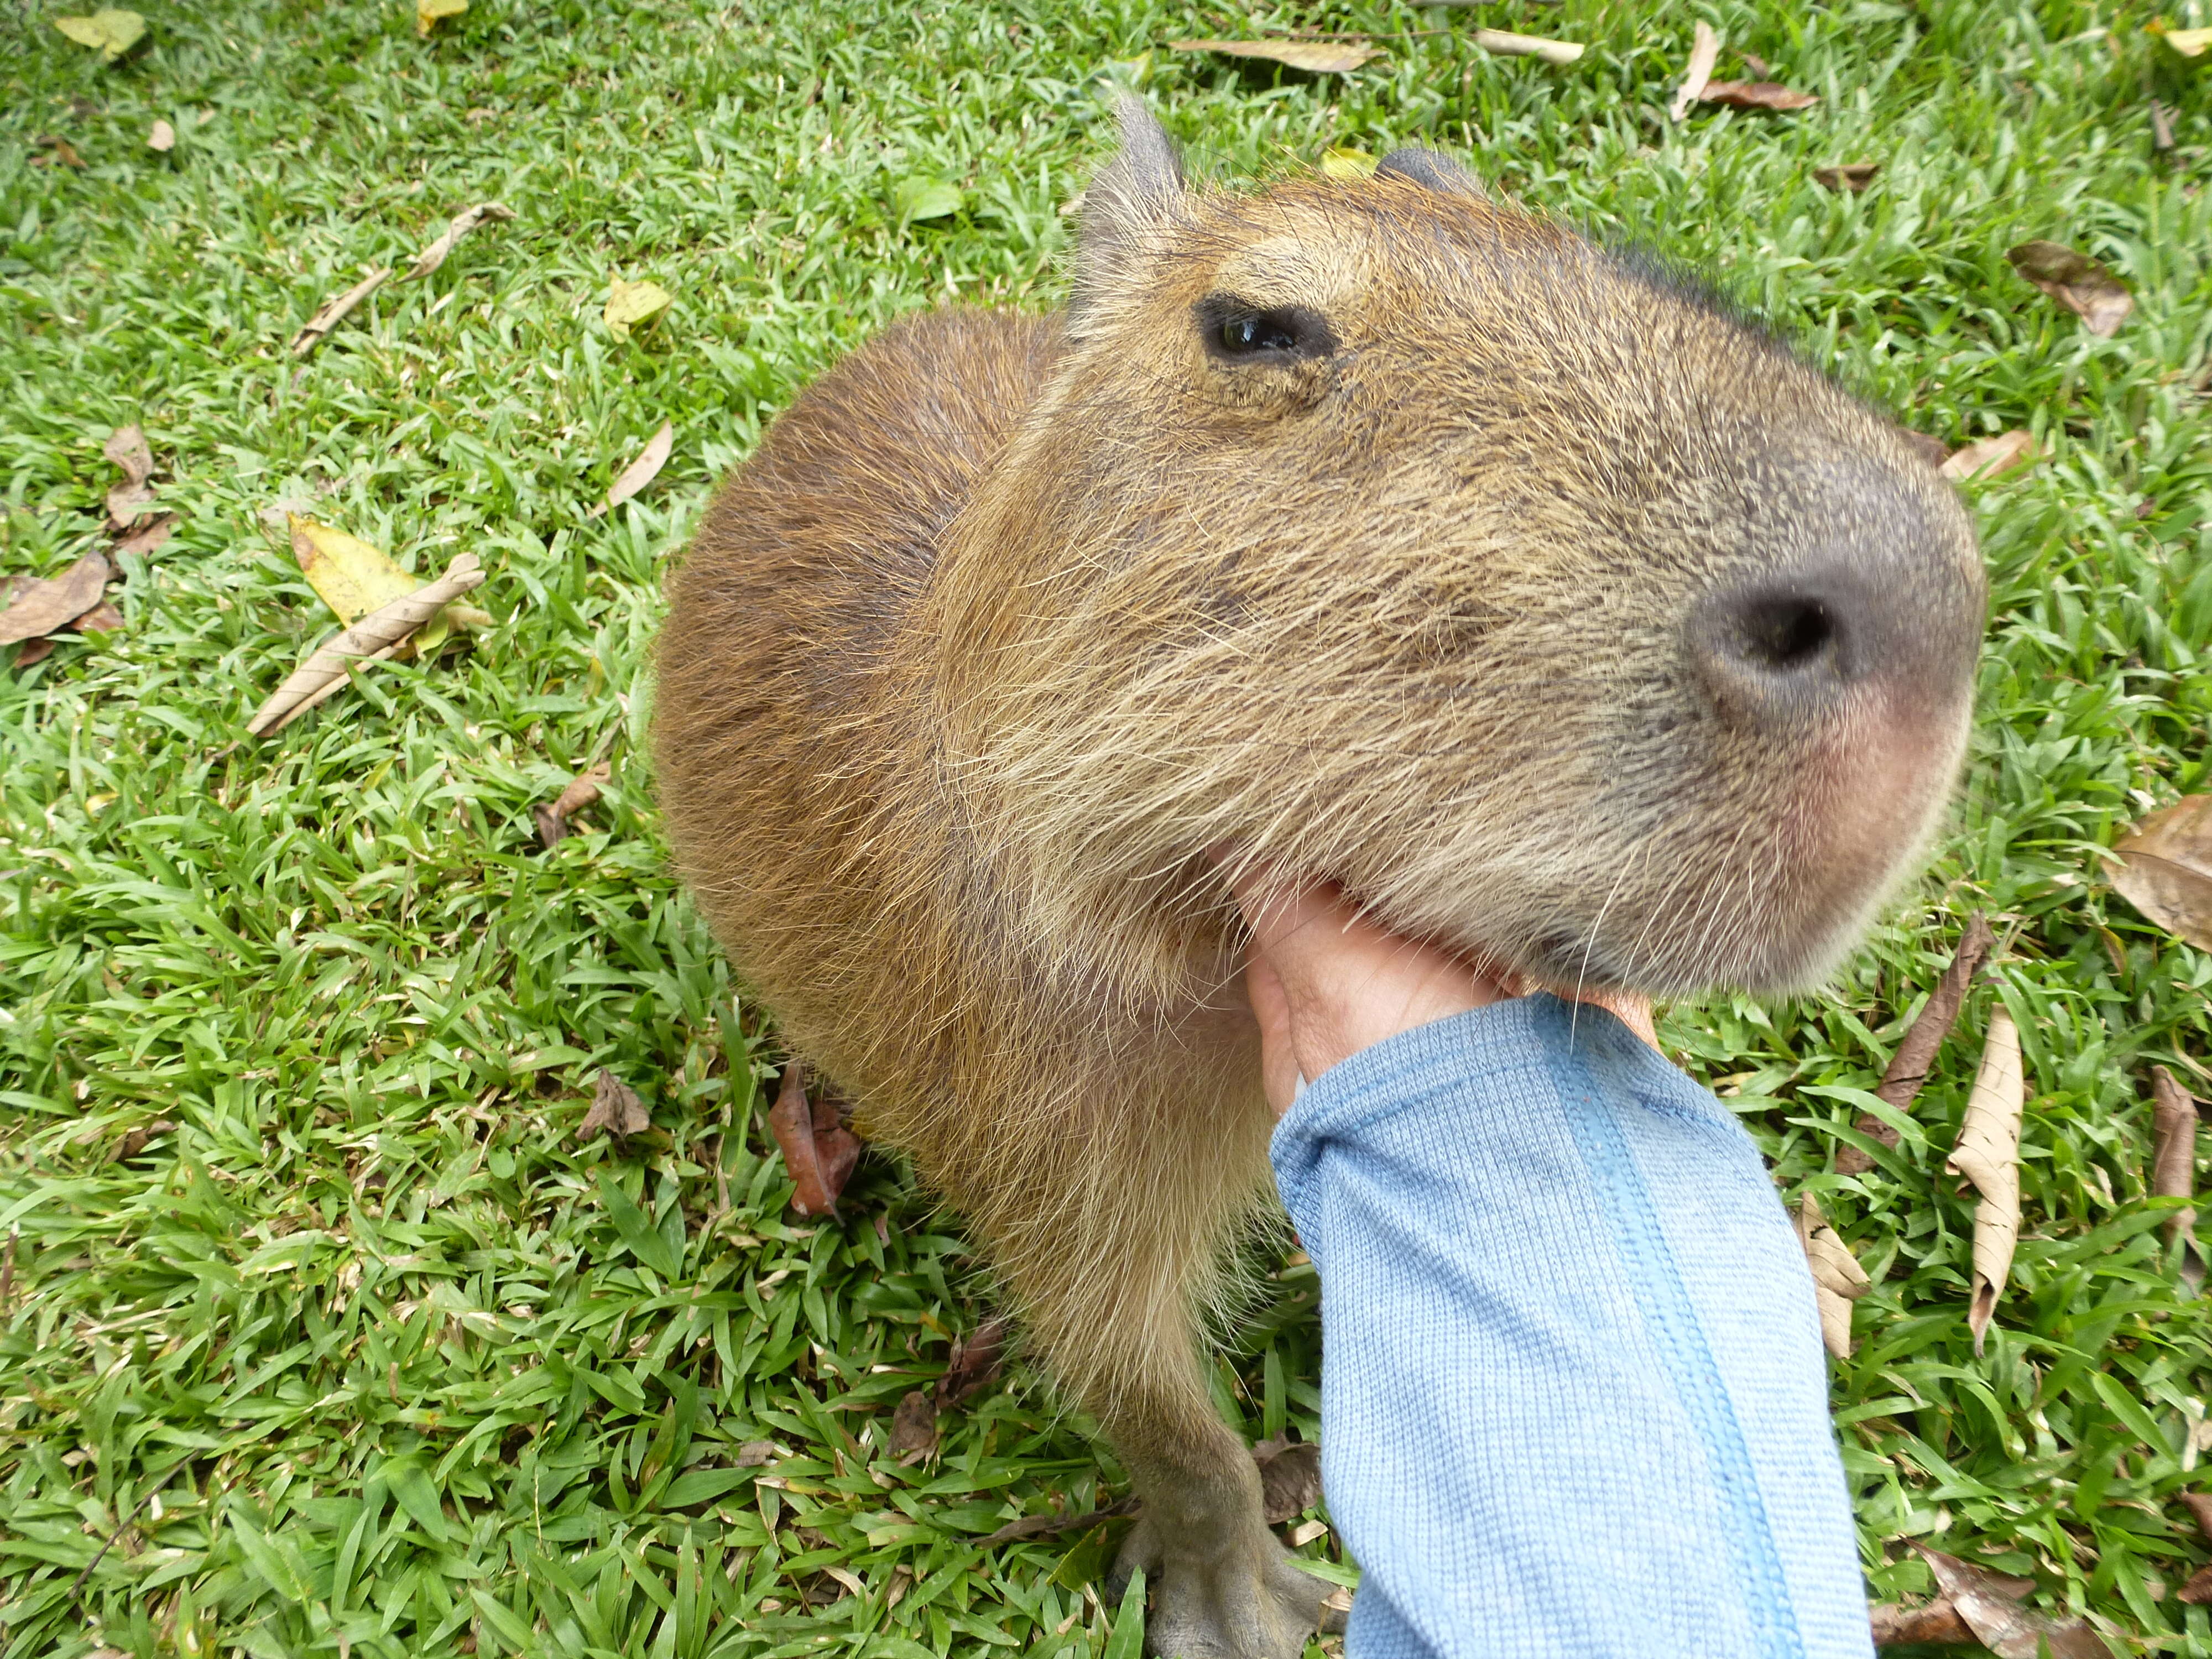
(1370, 528)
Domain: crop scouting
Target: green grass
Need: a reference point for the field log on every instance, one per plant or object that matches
(365, 1350)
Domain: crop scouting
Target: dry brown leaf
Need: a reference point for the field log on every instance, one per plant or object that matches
(1938, 1623)
(1908, 1067)
(127, 501)
(755, 1454)
(615, 1111)
(2084, 286)
(1315, 57)
(136, 1141)
(1838, 1278)
(1757, 95)
(1987, 1153)
(818, 1152)
(2197, 1592)
(1991, 457)
(335, 311)
(462, 223)
(640, 472)
(102, 618)
(1990, 1604)
(163, 137)
(1704, 52)
(1853, 176)
(914, 1429)
(2173, 1173)
(1043, 1526)
(1506, 44)
(55, 151)
(150, 535)
(974, 1362)
(376, 636)
(2200, 1506)
(37, 606)
(583, 789)
(1290, 1478)
(2165, 869)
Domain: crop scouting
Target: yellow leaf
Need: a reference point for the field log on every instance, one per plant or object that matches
(2190, 42)
(429, 12)
(111, 34)
(632, 303)
(1347, 163)
(354, 579)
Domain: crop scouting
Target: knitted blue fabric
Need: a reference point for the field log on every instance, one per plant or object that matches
(1573, 1398)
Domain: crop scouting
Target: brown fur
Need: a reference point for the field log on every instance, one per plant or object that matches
(1012, 620)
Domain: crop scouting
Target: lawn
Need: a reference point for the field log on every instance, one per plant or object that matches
(323, 1332)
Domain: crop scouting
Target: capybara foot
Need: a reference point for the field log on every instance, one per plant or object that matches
(1246, 1601)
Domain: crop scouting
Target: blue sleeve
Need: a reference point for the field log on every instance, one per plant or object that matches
(1573, 1396)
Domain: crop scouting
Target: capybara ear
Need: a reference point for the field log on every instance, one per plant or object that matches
(1433, 169)
(1127, 205)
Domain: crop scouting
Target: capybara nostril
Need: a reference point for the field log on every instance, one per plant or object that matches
(1784, 650)
(1787, 633)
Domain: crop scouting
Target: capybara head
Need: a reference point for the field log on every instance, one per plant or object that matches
(1390, 534)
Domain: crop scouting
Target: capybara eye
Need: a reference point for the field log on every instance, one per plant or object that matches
(1234, 328)
(1258, 330)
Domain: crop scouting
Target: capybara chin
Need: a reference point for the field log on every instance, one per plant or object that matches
(1371, 528)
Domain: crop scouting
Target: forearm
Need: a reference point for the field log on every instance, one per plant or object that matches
(1573, 1390)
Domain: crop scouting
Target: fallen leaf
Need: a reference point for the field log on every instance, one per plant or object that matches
(1506, 44)
(1989, 1605)
(1991, 457)
(1346, 164)
(1043, 1526)
(1938, 1622)
(974, 1363)
(150, 535)
(128, 500)
(37, 606)
(1757, 95)
(461, 224)
(378, 634)
(924, 198)
(2165, 869)
(2197, 1592)
(102, 618)
(1850, 175)
(1908, 1067)
(755, 1454)
(619, 1114)
(640, 472)
(2084, 286)
(1314, 56)
(914, 1429)
(335, 311)
(582, 790)
(1305, 1532)
(2174, 1172)
(1290, 1478)
(1838, 1278)
(1704, 52)
(356, 579)
(818, 1152)
(136, 1141)
(1987, 1153)
(163, 137)
(107, 32)
(429, 12)
(56, 152)
(630, 304)
(2190, 42)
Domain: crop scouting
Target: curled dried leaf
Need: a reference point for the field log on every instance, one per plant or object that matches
(1987, 1153)
(37, 607)
(2173, 1168)
(2165, 869)
(1704, 52)
(615, 1111)
(581, 791)
(1991, 1604)
(378, 635)
(128, 500)
(914, 1429)
(977, 1356)
(641, 472)
(818, 1151)
(335, 310)
(1908, 1067)
(461, 224)
(1991, 457)
(1314, 56)
(1838, 1278)
(150, 535)
(1854, 176)
(1506, 44)
(1290, 1478)
(2084, 286)
(1757, 95)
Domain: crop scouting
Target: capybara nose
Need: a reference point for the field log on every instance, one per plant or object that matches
(1780, 650)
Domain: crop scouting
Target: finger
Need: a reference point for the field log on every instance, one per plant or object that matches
(1279, 1058)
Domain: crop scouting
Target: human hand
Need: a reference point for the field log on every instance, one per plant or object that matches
(1326, 982)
